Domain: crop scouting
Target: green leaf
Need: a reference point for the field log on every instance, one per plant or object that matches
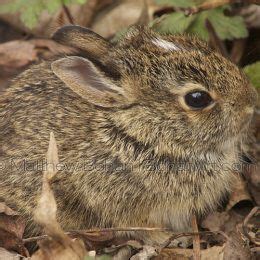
(30, 10)
(198, 26)
(177, 3)
(227, 28)
(253, 73)
(174, 23)
(52, 5)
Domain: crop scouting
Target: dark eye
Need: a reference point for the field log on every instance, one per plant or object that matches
(198, 99)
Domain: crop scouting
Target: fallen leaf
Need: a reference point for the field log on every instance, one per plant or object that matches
(236, 248)
(95, 240)
(48, 23)
(53, 47)
(239, 193)
(11, 221)
(215, 221)
(212, 253)
(59, 245)
(111, 21)
(11, 230)
(7, 211)
(52, 249)
(146, 253)
(16, 54)
(10, 242)
(175, 253)
(6, 255)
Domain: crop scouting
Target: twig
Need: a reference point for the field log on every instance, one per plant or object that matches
(165, 244)
(68, 14)
(189, 234)
(207, 5)
(90, 231)
(237, 50)
(121, 229)
(215, 40)
(253, 212)
(214, 4)
(255, 249)
(196, 238)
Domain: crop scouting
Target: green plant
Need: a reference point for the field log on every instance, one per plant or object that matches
(253, 73)
(226, 27)
(30, 10)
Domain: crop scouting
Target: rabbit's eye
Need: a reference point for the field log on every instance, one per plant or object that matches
(198, 99)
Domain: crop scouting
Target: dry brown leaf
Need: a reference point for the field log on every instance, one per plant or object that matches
(96, 240)
(175, 253)
(236, 248)
(239, 193)
(231, 223)
(121, 16)
(11, 242)
(6, 255)
(124, 252)
(60, 246)
(212, 253)
(52, 160)
(11, 221)
(16, 54)
(54, 250)
(49, 23)
(13, 224)
(215, 221)
(11, 230)
(96, 236)
(54, 47)
(146, 253)
(7, 211)
(45, 212)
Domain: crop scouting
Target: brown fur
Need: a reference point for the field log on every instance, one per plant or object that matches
(161, 161)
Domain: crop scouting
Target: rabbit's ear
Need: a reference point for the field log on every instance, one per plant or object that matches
(88, 81)
(84, 39)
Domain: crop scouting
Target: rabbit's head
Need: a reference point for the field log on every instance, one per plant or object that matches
(171, 92)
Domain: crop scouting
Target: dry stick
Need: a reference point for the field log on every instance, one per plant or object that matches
(195, 9)
(255, 249)
(68, 14)
(215, 41)
(189, 234)
(214, 4)
(206, 6)
(238, 50)
(165, 244)
(196, 238)
(253, 212)
(90, 231)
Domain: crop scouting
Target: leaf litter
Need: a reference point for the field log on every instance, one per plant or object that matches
(229, 233)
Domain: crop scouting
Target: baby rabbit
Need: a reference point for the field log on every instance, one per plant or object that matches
(148, 131)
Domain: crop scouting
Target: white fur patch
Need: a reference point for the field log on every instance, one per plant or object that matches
(165, 44)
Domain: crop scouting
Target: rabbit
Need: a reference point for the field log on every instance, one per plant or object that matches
(148, 131)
